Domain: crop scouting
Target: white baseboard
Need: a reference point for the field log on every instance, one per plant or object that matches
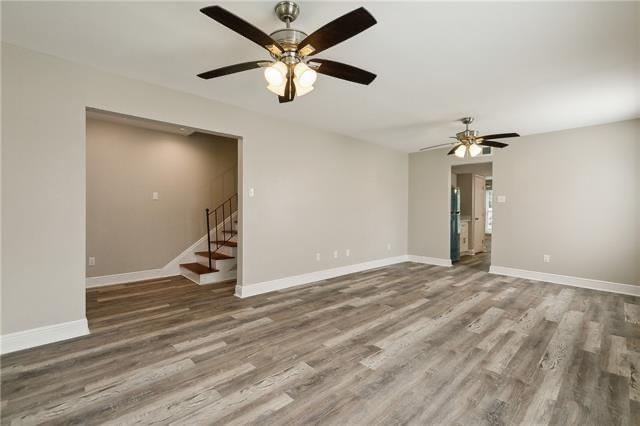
(42, 335)
(296, 280)
(129, 277)
(429, 260)
(629, 289)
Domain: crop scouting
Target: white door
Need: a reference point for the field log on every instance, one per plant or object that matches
(478, 219)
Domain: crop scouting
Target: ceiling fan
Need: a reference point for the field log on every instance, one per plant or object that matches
(469, 142)
(291, 71)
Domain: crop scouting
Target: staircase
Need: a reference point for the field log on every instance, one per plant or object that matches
(216, 261)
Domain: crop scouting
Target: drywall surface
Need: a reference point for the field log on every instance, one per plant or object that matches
(482, 169)
(128, 230)
(314, 191)
(572, 194)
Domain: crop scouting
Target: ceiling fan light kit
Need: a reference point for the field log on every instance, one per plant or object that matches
(469, 141)
(461, 151)
(291, 72)
(474, 150)
(276, 74)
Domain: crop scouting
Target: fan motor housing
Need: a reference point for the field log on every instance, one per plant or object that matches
(288, 38)
(467, 135)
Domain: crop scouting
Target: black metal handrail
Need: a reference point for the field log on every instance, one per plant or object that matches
(226, 210)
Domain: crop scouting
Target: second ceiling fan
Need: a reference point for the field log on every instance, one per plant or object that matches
(469, 142)
(292, 72)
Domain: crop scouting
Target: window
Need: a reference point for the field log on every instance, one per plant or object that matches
(488, 224)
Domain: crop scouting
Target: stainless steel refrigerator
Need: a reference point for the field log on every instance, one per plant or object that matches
(455, 224)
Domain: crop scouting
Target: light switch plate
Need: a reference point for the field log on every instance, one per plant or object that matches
(502, 198)
(335, 254)
(251, 192)
(155, 196)
(92, 261)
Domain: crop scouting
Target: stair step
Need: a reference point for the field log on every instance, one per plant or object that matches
(197, 268)
(214, 255)
(225, 243)
(232, 232)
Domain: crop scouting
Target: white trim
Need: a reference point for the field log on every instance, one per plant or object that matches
(42, 335)
(171, 269)
(296, 280)
(633, 290)
(429, 260)
(129, 277)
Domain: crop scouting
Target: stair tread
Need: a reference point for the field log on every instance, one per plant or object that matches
(214, 255)
(226, 243)
(233, 231)
(198, 268)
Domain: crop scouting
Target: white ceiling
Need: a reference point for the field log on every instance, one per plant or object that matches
(525, 67)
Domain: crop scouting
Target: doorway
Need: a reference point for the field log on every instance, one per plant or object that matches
(150, 187)
(471, 215)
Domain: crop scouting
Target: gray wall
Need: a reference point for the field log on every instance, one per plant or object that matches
(572, 194)
(429, 201)
(127, 230)
(465, 183)
(315, 191)
(482, 169)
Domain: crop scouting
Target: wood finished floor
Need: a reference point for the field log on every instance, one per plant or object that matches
(480, 261)
(406, 344)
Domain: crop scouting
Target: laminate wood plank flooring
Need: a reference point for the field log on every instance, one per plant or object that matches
(404, 344)
(480, 261)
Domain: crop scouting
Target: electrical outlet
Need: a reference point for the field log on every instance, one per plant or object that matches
(318, 257)
(502, 198)
(155, 196)
(335, 254)
(92, 261)
(347, 252)
(547, 258)
(251, 192)
(389, 246)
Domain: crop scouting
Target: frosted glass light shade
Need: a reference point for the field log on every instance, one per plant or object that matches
(278, 90)
(461, 151)
(474, 149)
(276, 74)
(300, 89)
(305, 75)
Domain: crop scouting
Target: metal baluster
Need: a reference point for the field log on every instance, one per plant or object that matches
(223, 225)
(208, 238)
(230, 223)
(216, 222)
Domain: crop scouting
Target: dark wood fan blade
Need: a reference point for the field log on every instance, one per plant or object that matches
(231, 69)
(501, 136)
(336, 31)
(343, 71)
(289, 89)
(453, 149)
(427, 148)
(493, 144)
(243, 28)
